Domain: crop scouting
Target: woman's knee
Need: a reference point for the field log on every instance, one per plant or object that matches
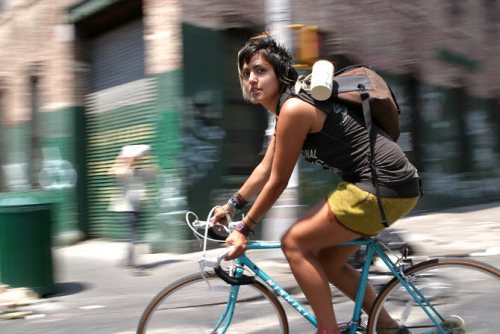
(290, 244)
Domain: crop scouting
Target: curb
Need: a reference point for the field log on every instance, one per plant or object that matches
(13, 298)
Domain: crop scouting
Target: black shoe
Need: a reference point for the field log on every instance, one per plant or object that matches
(139, 270)
(403, 330)
(125, 264)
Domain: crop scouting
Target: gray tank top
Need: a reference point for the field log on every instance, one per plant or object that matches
(342, 147)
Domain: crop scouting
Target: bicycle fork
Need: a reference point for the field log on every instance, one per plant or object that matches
(227, 315)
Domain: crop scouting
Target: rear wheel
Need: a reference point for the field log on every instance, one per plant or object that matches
(464, 292)
(191, 305)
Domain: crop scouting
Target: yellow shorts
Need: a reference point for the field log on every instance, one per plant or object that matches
(358, 210)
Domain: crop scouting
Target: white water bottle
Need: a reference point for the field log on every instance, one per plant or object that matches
(321, 80)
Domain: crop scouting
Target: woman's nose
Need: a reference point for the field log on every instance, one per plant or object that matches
(252, 77)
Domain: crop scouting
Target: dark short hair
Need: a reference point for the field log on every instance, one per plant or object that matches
(276, 54)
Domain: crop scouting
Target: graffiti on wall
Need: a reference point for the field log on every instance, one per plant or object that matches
(483, 137)
(442, 149)
(203, 137)
(16, 175)
(169, 193)
(56, 173)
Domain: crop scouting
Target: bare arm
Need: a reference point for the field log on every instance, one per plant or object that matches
(296, 120)
(260, 174)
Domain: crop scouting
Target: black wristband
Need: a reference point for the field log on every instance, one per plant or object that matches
(237, 201)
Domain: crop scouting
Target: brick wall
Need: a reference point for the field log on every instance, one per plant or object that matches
(397, 35)
(33, 40)
(392, 35)
(163, 35)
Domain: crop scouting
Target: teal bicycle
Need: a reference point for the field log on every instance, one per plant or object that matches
(448, 295)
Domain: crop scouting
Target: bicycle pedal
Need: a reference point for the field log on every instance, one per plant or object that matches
(346, 327)
(453, 325)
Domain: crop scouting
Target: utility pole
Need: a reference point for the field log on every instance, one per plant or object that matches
(285, 211)
(279, 19)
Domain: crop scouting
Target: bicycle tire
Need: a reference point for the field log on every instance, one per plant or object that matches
(460, 289)
(190, 306)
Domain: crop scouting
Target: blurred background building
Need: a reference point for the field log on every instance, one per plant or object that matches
(80, 79)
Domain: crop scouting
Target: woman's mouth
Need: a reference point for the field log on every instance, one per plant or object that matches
(254, 91)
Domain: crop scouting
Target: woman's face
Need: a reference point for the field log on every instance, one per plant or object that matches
(260, 83)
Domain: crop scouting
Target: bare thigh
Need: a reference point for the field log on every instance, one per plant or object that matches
(316, 230)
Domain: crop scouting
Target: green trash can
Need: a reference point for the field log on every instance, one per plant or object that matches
(26, 245)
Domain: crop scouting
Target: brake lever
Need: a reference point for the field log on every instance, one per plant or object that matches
(215, 263)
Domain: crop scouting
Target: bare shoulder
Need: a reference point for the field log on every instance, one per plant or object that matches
(298, 111)
(295, 107)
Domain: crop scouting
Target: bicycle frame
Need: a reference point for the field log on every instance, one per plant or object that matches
(372, 247)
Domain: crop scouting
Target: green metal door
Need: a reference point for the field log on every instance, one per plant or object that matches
(127, 117)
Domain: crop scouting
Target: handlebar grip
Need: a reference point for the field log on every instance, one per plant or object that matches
(243, 280)
(222, 255)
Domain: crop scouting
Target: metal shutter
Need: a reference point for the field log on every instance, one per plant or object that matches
(120, 110)
(117, 56)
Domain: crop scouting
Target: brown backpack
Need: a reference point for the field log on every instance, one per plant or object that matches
(360, 85)
(350, 83)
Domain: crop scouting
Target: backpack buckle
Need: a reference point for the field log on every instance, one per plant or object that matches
(363, 92)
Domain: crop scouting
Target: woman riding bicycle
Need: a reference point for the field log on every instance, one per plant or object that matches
(338, 141)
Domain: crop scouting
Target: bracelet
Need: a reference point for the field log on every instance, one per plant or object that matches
(243, 229)
(251, 220)
(237, 201)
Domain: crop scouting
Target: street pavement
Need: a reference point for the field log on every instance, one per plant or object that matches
(96, 295)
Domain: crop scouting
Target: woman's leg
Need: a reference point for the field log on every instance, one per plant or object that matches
(342, 275)
(133, 227)
(317, 230)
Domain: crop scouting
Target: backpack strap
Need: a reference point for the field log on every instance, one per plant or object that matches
(365, 103)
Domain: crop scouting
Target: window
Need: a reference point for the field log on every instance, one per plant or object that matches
(35, 145)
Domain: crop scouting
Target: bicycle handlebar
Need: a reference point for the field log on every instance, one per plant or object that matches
(201, 224)
(218, 232)
(215, 262)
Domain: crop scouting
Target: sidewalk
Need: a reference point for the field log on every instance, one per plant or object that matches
(87, 272)
(471, 230)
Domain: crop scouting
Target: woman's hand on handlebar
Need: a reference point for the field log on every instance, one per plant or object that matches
(220, 217)
(239, 245)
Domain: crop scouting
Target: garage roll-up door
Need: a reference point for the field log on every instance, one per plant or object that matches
(117, 56)
(120, 110)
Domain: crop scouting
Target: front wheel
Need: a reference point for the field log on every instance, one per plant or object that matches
(196, 305)
(465, 294)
